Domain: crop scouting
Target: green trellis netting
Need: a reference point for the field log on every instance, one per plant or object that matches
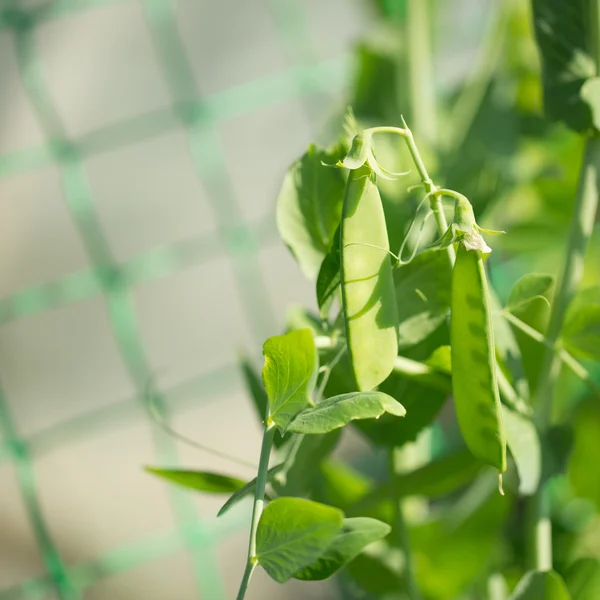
(306, 78)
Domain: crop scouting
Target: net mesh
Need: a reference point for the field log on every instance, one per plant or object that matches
(234, 239)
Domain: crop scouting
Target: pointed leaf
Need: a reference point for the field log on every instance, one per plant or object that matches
(289, 374)
(309, 208)
(527, 289)
(581, 333)
(583, 579)
(248, 489)
(256, 388)
(524, 445)
(355, 536)
(293, 533)
(204, 481)
(340, 410)
(541, 585)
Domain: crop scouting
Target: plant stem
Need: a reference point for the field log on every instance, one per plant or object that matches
(582, 224)
(400, 529)
(259, 499)
(421, 86)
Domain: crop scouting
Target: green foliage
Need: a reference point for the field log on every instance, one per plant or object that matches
(338, 411)
(418, 514)
(293, 533)
(356, 534)
(289, 374)
(203, 481)
(309, 208)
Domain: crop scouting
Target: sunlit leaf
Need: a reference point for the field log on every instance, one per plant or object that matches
(204, 481)
(293, 533)
(309, 208)
(356, 534)
(289, 374)
(340, 410)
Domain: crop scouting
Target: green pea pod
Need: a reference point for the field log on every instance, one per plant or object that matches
(474, 384)
(368, 293)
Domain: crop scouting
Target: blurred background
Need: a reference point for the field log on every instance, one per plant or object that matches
(142, 147)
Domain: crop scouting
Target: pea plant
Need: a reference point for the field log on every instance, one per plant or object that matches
(479, 403)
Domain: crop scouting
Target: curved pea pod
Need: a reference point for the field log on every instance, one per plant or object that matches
(368, 293)
(474, 384)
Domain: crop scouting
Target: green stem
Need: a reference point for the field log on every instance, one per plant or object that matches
(400, 529)
(582, 225)
(422, 89)
(259, 499)
(435, 201)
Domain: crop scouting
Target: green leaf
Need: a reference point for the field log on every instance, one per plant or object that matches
(584, 473)
(583, 579)
(423, 293)
(355, 536)
(581, 333)
(256, 388)
(246, 490)
(289, 374)
(204, 481)
(329, 278)
(527, 289)
(524, 445)
(309, 208)
(338, 411)
(541, 585)
(293, 533)
(562, 36)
